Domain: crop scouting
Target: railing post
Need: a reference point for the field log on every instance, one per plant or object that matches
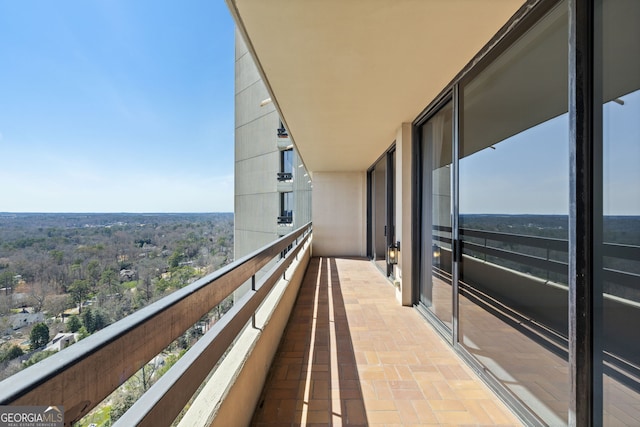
(485, 252)
(548, 257)
(253, 288)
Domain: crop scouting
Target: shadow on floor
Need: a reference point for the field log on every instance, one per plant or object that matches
(314, 378)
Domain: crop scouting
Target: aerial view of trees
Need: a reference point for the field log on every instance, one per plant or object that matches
(78, 273)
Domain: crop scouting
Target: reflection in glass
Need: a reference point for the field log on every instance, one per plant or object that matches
(513, 204)
(379, 213)
(621, 211)
(435, 282)
(286, 161)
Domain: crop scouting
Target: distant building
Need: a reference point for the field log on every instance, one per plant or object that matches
(127, 275)
(21, 320)
(62, 341)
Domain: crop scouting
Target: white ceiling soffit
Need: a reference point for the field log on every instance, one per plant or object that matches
(346, 73)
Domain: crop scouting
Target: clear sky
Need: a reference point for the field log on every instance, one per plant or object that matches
(528, 173)
(116, 106)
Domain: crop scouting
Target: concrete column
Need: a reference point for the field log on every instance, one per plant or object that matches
(404, 181)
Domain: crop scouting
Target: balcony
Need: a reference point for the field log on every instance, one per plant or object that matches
(349, 354)
(285, 219)
(285, 176)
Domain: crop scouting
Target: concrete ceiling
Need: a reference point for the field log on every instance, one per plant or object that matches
(346, 73)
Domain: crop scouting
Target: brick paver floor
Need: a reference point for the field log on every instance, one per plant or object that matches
(351, 355)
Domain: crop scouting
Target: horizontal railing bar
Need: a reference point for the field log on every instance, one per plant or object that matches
(622, 251)
(535, 241)
(545, 264)
(622, 278)
(614, 250)
(442, 239)
(84, 374)
(168, 396)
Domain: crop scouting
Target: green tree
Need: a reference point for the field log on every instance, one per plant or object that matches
(93, 271)
(88, 320)
(93, 320)
(121, 403)
(175, 258)
(99, 321)
(82, 333)
(38, 357)
(6, 279)
(57, 256)
(13, 352)
(79, 291)
(74, 324)
(109, 278)
(39, 336)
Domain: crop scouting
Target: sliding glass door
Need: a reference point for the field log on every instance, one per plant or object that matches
(381, 206)
(436, 173)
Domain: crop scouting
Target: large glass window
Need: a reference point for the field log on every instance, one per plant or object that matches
(286, 208)
(435, 253)
(513, 204)
(286, 165)
(381, 206)
(620, 275)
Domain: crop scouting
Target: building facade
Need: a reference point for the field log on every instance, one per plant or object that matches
(272, 186)
(495, 143)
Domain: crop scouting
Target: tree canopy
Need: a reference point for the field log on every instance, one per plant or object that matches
(39, 336)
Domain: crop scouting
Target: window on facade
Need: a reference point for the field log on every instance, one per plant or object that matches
(381, 207)
(286, 165)
(282, 131)
(286, 208)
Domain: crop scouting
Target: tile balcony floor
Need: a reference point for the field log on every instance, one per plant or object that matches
(351, 355)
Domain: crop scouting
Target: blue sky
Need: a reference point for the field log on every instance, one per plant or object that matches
(528, 173)
(116, 106)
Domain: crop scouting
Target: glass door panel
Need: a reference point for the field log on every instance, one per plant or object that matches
(435, 281)
(379, 213)
(620, 215)
(513, 220)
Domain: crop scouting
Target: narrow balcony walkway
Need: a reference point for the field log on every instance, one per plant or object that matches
(351, 355)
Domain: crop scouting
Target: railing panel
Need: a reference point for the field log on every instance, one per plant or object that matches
(166, 398)
(84, 374)
(610, 250)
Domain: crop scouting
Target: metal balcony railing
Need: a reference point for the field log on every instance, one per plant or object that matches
(546, 262)
(84, 374)
(285, 219)
(282, 132)
(500, 272)
(285, 176)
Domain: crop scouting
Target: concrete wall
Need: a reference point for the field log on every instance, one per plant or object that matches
(302, 191)
(339, 213)
(404, 153)
(257, 161)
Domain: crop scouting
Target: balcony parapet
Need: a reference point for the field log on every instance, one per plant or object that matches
(83, 375)
(284, 186)
(284, 143)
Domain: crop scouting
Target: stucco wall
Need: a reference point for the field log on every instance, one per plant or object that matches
(339, 213)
